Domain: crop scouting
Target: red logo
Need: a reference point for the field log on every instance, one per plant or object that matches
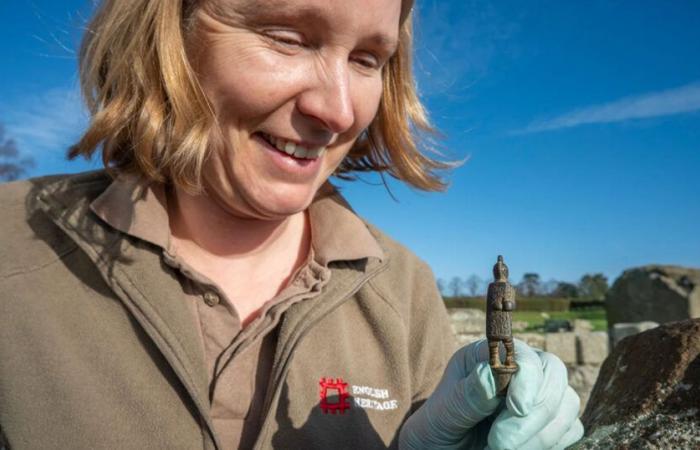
(336, 390)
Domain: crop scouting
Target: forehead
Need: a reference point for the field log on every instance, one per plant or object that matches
(379, 18)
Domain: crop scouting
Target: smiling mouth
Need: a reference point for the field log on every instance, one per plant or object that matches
(292, 148)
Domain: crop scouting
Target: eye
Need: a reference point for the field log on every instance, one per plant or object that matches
(286, 38)
(368, 60)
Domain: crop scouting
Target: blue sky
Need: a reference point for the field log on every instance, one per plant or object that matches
(580, 122)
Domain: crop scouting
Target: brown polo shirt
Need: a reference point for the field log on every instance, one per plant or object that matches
(238, 359)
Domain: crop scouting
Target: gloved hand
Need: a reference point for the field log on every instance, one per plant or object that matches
(540, 410)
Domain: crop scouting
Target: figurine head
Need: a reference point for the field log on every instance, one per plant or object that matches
(500, 270)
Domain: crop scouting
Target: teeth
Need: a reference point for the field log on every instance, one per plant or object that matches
(292, 149)
(300, 152)
(289, 148)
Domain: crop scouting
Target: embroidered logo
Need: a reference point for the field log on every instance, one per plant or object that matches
(335, 390)
(368, 397)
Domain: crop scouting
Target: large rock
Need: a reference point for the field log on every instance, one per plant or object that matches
(654, 293)
(647, 395)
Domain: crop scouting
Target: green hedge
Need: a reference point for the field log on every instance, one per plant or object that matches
(521, 304)
(583, 305)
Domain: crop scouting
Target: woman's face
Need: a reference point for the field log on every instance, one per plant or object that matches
(304, 76)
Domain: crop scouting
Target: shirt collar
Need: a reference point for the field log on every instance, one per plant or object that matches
(139, 209)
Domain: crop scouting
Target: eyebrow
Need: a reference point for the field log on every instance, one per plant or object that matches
(260, 8)
(256, 10)
(387, 42)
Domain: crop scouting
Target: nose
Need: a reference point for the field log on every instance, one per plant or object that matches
(327, 97)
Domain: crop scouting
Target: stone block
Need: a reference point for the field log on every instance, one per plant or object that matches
(582, 379)
(466, 339)
(622, 330)
(563, 345)
(535, 340)
(519, 325)
(467, 320)
(592, 348)
(582, 326)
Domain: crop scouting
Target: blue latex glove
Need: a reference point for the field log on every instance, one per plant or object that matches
(540, 410)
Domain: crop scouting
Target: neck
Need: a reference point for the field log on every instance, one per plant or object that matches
(204, 231)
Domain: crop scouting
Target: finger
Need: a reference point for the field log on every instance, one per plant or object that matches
(573, 435)
(553, 432)
(526, 382)
(472, 399)
(446, 417)
(463, 362)
(510, 431)
(466, 393)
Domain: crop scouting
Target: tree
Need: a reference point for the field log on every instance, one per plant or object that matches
(473, 284)
(549, 287)
(441, 286)
(455, 286)
(11, 165)
(530, 284)
(565, 290)
(593, 286)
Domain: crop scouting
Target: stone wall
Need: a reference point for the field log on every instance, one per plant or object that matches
(582, 350)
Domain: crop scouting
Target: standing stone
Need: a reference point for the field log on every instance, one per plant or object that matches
(647, 395)
(654, 293)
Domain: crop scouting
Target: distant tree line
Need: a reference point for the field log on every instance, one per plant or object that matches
(12, 164)
(589, 287)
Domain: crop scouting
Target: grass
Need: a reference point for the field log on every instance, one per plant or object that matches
(535, 319)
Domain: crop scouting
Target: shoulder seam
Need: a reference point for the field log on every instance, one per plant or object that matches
(36, 267)
(384, 298)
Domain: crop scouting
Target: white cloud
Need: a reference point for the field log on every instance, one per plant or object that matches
(47, 121)
(679, 100)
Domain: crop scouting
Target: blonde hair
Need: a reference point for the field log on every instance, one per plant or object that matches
(151, 117)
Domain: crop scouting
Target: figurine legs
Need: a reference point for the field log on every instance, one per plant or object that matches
(494, 359)
(510, 352)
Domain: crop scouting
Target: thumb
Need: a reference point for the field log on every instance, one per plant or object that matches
(448, 415)
(474, 398)
(527, 381)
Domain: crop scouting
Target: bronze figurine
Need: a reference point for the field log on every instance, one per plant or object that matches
(500, 303)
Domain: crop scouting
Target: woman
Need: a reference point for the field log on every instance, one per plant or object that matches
(215, 291)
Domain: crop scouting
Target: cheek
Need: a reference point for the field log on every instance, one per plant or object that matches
(246, 83)
(367, 101)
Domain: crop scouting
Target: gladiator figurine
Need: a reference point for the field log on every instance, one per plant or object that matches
(500, 303)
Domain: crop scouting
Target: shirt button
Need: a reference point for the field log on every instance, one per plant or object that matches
(211, 299)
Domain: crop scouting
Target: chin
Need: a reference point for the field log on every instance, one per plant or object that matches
(284, 202)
